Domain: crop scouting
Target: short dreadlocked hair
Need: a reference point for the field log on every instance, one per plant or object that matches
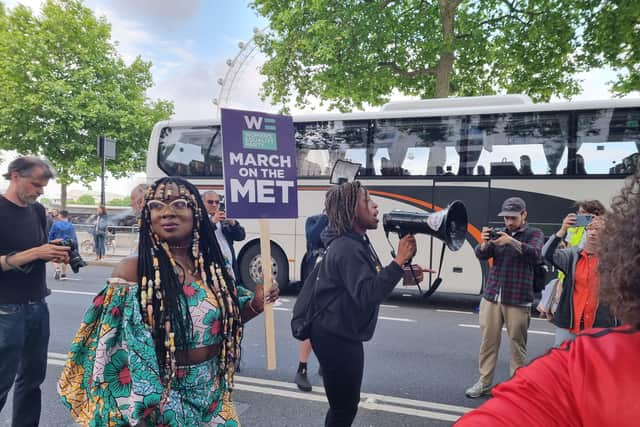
(340, 204)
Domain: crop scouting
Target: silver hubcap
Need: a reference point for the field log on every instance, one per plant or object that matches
(255, 268)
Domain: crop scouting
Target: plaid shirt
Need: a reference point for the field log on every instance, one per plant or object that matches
(511, 276)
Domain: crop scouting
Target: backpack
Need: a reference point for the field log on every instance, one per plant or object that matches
(539, 277)
(303, 310)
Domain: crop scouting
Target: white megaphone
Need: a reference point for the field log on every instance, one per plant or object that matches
(344, 171)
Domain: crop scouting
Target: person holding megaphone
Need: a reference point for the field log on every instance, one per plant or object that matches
(352, 270)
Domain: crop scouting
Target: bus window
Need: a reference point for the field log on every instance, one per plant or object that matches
(415, 162)
(321, 144)
(190, 151)
(608, 142)
(418, 146)
(519, 144)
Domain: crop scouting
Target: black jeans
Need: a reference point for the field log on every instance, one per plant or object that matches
(342, 363)
(24, 339)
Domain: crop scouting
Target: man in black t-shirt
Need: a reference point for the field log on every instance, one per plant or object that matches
(24, 316)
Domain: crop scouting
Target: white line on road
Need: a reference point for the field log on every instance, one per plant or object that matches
(441, 310)
(65, 291)
(504, 329)
(370, 401)
(57, 355)
(366, 396)
(281, 309)
(397, 319)
(388, 306)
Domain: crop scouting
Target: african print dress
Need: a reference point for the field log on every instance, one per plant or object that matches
(111, 377)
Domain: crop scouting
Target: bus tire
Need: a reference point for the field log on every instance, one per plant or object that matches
(250, 267)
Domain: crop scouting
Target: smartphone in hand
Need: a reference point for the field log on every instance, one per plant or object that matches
(582, 220)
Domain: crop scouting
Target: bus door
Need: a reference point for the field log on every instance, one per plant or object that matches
(461, 270)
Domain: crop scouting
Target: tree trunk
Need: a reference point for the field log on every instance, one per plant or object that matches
(63, 196)
(445, 63)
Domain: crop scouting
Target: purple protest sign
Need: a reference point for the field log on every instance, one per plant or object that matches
(259, 160)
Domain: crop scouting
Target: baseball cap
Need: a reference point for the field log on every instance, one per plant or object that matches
(512, 206)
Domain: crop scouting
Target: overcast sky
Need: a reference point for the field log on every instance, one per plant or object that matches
(189, 42)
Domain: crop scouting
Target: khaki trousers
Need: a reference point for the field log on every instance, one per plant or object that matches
(493, 316)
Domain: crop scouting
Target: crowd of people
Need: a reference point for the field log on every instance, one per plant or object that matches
(171, 316)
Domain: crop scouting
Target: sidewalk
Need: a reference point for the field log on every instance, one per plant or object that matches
(107, 261)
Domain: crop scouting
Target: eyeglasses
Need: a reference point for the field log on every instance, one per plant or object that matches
(213, 202)
(176, 205)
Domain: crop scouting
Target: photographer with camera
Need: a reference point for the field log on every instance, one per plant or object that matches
(62, 230)
(227, 230)
(508, 291)
(24, 316)
(592, 380)
(353, 279)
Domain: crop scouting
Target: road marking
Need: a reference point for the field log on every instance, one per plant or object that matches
(57, 355)
(504, 329)
(397, 319)
(281, 309)
(370, 401)
(374, 402)
(388, 306)
(65, 291)
(441, 310)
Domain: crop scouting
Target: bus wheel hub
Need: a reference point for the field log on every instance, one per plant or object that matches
(255, 269)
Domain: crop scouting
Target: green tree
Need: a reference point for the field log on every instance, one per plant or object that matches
(612, 38)
(119, 202)
(63, 83)
(86, 199)
(351, 52)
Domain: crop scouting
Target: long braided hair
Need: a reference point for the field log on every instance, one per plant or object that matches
(162, 301)
(340, 204)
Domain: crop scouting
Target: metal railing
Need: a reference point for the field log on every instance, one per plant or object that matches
(120, 240)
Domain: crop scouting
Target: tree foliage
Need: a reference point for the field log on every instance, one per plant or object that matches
(351, 52)
(612, 38)
(86, 199)
(119, 202)
(63, 83)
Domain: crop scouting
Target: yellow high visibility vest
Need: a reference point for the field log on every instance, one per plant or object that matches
(574, 237)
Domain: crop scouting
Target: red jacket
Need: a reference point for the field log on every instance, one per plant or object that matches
(592, 381)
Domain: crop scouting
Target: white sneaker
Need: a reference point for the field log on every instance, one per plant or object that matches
(478, 389)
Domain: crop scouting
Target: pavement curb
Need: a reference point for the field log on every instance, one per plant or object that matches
(111, 262)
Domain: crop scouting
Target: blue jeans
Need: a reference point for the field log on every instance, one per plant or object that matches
(24, 339)
(99, 245)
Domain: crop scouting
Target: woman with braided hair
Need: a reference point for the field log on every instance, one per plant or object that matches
(160, 343)
(351, 273)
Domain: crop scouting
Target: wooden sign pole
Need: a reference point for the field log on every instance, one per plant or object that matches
(269, 326)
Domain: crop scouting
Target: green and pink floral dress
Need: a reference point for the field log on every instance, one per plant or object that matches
(111, 377)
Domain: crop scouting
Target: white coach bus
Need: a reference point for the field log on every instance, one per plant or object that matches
(422, 155)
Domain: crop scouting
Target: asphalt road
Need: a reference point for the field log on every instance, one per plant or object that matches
(422, 357)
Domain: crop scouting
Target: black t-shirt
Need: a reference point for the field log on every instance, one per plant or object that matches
(21, 228)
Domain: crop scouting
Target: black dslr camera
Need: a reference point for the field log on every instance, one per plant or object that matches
(493, 234)
(75, 260)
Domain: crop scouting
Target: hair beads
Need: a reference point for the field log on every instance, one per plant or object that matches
(163, 304)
